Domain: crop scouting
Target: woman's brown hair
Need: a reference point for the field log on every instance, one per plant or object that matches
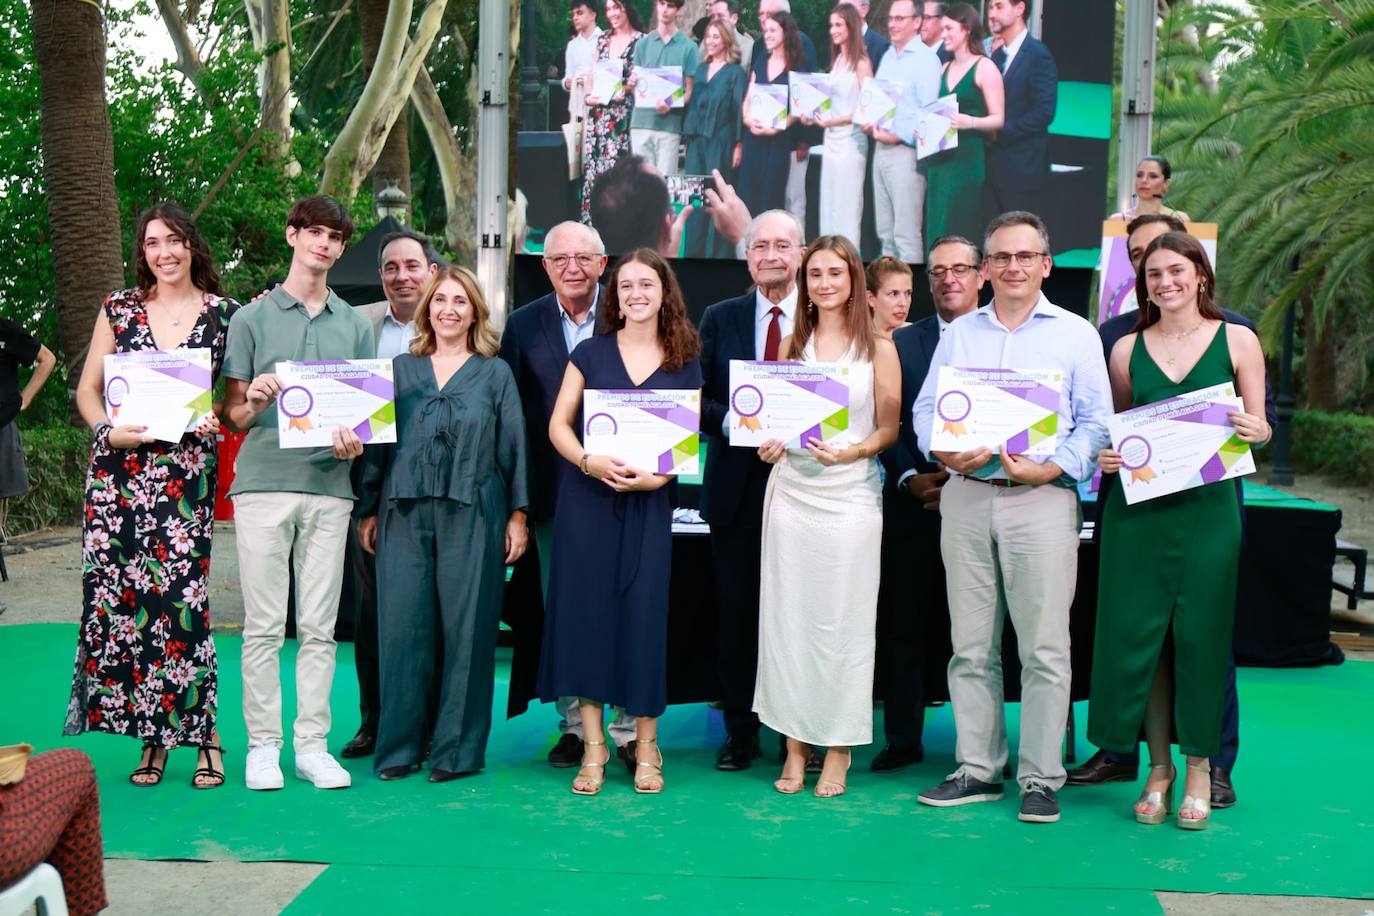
(853, 47)
(792, 51)
(861, 336)
(483, 339)
(884, 267)
(729, 39)
(1184, 244)
(676, 333)
(203, 273)
(967, 16)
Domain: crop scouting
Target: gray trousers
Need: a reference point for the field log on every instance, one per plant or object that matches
(440, 575)
(899, 195)
(622, 727)
(1010, 552)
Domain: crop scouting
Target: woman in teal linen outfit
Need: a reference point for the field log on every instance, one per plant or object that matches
(1167, 586)
(711, 130)
(445, 508)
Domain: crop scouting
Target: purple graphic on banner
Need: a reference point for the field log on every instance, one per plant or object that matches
(1213, 470)
(1209, 412)
(665, 462)
(370, 382)
(364, 431)
(1119, 284)
(1038, 394)
(826, 388)
(192, 375)
(677, 415)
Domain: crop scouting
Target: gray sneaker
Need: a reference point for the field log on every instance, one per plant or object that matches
(959, 788)
(1038, 804)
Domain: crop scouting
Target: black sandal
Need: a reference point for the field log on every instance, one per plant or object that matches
(208, 771)
(151, 768)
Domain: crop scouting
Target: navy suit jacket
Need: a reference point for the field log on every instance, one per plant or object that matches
(915, 346)
(534, 347)
(876, 45)
(1018, 159)
(727, 332)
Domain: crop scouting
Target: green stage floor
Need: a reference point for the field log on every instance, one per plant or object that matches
(514, 836)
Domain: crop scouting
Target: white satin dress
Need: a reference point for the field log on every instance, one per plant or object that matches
(843, 163)
(818, 600)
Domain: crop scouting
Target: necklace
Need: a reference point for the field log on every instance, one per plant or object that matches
(177, 315)
(1179, 338)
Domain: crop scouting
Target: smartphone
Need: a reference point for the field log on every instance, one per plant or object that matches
(689, 190)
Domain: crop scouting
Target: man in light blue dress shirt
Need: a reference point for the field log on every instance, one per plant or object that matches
(1010, 526)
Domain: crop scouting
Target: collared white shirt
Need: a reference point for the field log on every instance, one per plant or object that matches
(1012, 48)
(578, 58)
(1049, 338)
(944, 325)
(574, 332)
(395, 336)
(763, 316)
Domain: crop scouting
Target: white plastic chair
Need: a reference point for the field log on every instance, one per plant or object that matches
(40, 888)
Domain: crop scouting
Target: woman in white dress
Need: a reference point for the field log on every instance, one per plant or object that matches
(822, 533)
(846, 146)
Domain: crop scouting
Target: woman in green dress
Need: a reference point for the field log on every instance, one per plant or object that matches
(954, 177)
(1167, 593)
(712, 128)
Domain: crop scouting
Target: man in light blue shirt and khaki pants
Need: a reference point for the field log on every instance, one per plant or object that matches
(1010, 526)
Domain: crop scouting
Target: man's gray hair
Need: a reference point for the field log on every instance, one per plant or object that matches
(570, 224)
(792, 217)
(952, 239)
(1018, 218)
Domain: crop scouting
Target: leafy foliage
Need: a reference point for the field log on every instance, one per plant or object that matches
(57, 460)
(1340, 444)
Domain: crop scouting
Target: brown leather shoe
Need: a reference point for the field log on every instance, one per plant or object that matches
(1102, 769)
(1223, 793)
(360, 745)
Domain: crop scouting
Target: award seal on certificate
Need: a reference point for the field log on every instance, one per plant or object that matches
(1180, 443)
(790, 401)
(116, 389)
(990, 408)
(318, 397)
(653, 429)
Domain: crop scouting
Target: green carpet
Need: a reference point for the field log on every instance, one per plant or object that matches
(516, 829)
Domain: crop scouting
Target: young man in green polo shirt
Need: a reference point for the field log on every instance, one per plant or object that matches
(656, 133)
(292, 504)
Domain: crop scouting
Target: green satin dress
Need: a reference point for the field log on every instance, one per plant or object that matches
(954, 178)
(1167, 584)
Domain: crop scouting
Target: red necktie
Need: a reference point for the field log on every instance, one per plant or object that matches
(774, 336)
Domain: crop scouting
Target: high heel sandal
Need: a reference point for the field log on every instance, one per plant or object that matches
(644, 784)
(1200, 805)
(835, 789)
(590, 787)
(789, 785)
(209, 771)
(152, 768)
(1161, 803)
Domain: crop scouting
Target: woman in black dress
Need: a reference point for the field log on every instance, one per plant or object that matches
(606, 625)
(768, 150)
(145, 661)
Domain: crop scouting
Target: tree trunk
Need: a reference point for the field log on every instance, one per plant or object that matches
(270, 23)
(78, 168)
(393, 165)
(1319, 359)
(188, 58)
(457, 170)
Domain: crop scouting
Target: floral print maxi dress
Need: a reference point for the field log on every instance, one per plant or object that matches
(606, 128)
(145, 662)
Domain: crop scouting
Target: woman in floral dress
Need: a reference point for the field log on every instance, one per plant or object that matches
(145, 662)
(606, 129)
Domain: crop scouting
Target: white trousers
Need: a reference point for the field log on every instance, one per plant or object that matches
(796, 185)
(271, 528)
(1010, 552)
(899, 195)
(658, 147)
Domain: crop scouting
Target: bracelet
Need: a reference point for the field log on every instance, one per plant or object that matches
(101, 426)
(583, 465)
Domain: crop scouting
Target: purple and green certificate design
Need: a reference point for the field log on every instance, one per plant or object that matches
(990, 408)
(167, 391)
(1179, 444)
(790, 401)
(651, 429)
(319, 396)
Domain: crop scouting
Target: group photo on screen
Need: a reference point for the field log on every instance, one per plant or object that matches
(668, 122)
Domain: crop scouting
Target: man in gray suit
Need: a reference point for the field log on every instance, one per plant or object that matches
(406, 261)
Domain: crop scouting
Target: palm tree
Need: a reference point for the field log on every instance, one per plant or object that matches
(78, 166)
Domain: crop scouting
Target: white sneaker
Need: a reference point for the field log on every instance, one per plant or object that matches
(323, 770)
(263, 767)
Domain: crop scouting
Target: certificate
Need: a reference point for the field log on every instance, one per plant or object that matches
(989, 408)
(656, 429)
(608, 78)
(1179, 443)
(768, 105)
(318, 397)
(810, 95)
(167, 391)
(877, 103)
(790, 401)
(659, 84)
(934, 133)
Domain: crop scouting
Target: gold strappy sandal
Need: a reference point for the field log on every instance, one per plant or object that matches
(1201, 806)
(589, 785)
(831, 788)
(1156, 805)
(644, 784)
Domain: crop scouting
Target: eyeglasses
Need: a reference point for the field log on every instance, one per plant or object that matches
(1002, 259)
(959, 270)
(560, 262)
(892, 17)
(759, 249)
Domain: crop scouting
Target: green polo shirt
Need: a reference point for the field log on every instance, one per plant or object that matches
(652, 51)
(275, 329)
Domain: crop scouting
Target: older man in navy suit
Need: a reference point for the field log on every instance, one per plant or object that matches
(1018, 158)
(913, 574)
(748, 327)
(538, 338)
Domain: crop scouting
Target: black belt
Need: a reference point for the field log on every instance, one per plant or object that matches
(1003, 482)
